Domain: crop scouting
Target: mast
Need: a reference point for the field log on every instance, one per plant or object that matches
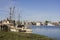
(19, 17)
(13, 13)
(10, 14)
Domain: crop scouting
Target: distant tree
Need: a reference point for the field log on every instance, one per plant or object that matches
(59, 21)
(46, 22)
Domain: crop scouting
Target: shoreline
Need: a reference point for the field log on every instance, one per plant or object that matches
(22, 36)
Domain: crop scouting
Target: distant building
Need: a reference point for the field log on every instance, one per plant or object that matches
(38, 23)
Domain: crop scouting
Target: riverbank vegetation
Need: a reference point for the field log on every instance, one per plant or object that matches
(22, 36)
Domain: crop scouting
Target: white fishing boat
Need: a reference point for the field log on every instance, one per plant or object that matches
(49, 24)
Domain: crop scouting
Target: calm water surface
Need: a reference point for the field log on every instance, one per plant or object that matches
(50, 31)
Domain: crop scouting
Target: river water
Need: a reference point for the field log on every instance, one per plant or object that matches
(50, 31)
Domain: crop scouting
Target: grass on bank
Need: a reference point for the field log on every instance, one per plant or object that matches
(21, 36)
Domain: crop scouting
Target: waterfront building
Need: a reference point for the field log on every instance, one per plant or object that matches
(38, 23)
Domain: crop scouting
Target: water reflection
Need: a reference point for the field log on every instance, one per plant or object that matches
(50, 31)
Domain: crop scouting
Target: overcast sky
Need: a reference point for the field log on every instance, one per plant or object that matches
(32, 10)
